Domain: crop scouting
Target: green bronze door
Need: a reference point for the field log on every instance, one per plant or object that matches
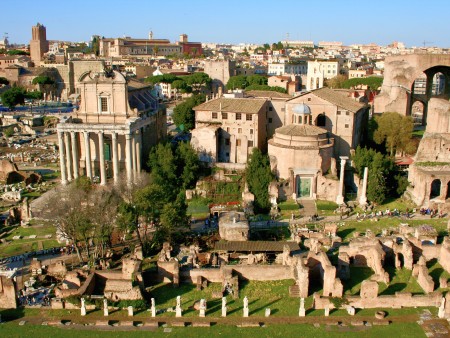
(303, 187)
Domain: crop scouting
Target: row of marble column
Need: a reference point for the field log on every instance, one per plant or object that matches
(69, 157)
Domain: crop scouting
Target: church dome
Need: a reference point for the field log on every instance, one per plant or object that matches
(301, 109)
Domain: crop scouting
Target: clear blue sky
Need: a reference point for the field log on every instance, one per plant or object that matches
(382, 21)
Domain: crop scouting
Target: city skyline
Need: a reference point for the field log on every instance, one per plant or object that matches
(238, 22)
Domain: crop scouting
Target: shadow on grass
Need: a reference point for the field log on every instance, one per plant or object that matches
(393, 288)
(266, 306)
(357, 276)
(436, 272)
(12, 314)
(166, 292)
(344, 233)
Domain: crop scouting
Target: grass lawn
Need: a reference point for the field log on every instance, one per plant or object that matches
(274, 294)
(401, 280)
(399, 330)
(326, 208)
(349, 227)
(16, 247)
(436, 271)
(287, 208)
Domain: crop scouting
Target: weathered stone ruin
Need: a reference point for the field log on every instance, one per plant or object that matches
(233, 226)
(7, 293)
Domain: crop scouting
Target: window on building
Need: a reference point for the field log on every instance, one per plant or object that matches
(227, 141)
(248, 117)
(238, 116)
(339, 112)
(309, 99)
(251, 131)
(270, 120)
(250, 143)
(270, 108)
(214, 115)
(103, 104)
(224, 116)
(238, 143)
(239, 130)
(347, 113)
(346, 126)
(228, 129)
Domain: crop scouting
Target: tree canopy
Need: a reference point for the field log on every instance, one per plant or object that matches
(17, 52)
(13, 97)
(384, 177)
(237, 82)
(266, 87)
(165, 78)
(373, 82)
(43, 80)
(258, 176)
(395, 131)
(251, 82)
(198, 81)
(184, 115)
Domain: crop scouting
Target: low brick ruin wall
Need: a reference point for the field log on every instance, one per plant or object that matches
(249, 272)
(397, 301)
(212, 275)
(263, 272)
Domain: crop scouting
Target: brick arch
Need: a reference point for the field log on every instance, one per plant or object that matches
(400, 73)
(435, 188)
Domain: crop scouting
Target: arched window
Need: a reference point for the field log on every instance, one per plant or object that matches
(321, 120)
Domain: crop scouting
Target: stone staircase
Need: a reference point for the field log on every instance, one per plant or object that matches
(309, 207)
(294, 291)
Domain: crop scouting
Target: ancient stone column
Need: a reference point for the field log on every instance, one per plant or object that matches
(105, 308)
(83, 307)
(224, 306)
(128, 158)
(202, 312)
(62, 159)
(73, 140)
(101, 151)
(87, 153)
(133, 152)
(68, 157)
(130, 311)
(138, 152)
(245, 306)
(153, 307)
(340, 197)
(178, 311)
(351, 310)
(115, 158)
(441, 311)
(302, 311)
(363, 197)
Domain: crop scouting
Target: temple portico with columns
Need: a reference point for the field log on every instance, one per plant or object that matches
(112, 132)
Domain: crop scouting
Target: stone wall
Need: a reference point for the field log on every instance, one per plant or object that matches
(263, 272)
(7, 293)
(397, 301)
(327, 188)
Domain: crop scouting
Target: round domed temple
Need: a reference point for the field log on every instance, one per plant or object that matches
(304, 151)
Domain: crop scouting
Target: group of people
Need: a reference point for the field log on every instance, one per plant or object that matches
(431, 212)
(380, 213)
